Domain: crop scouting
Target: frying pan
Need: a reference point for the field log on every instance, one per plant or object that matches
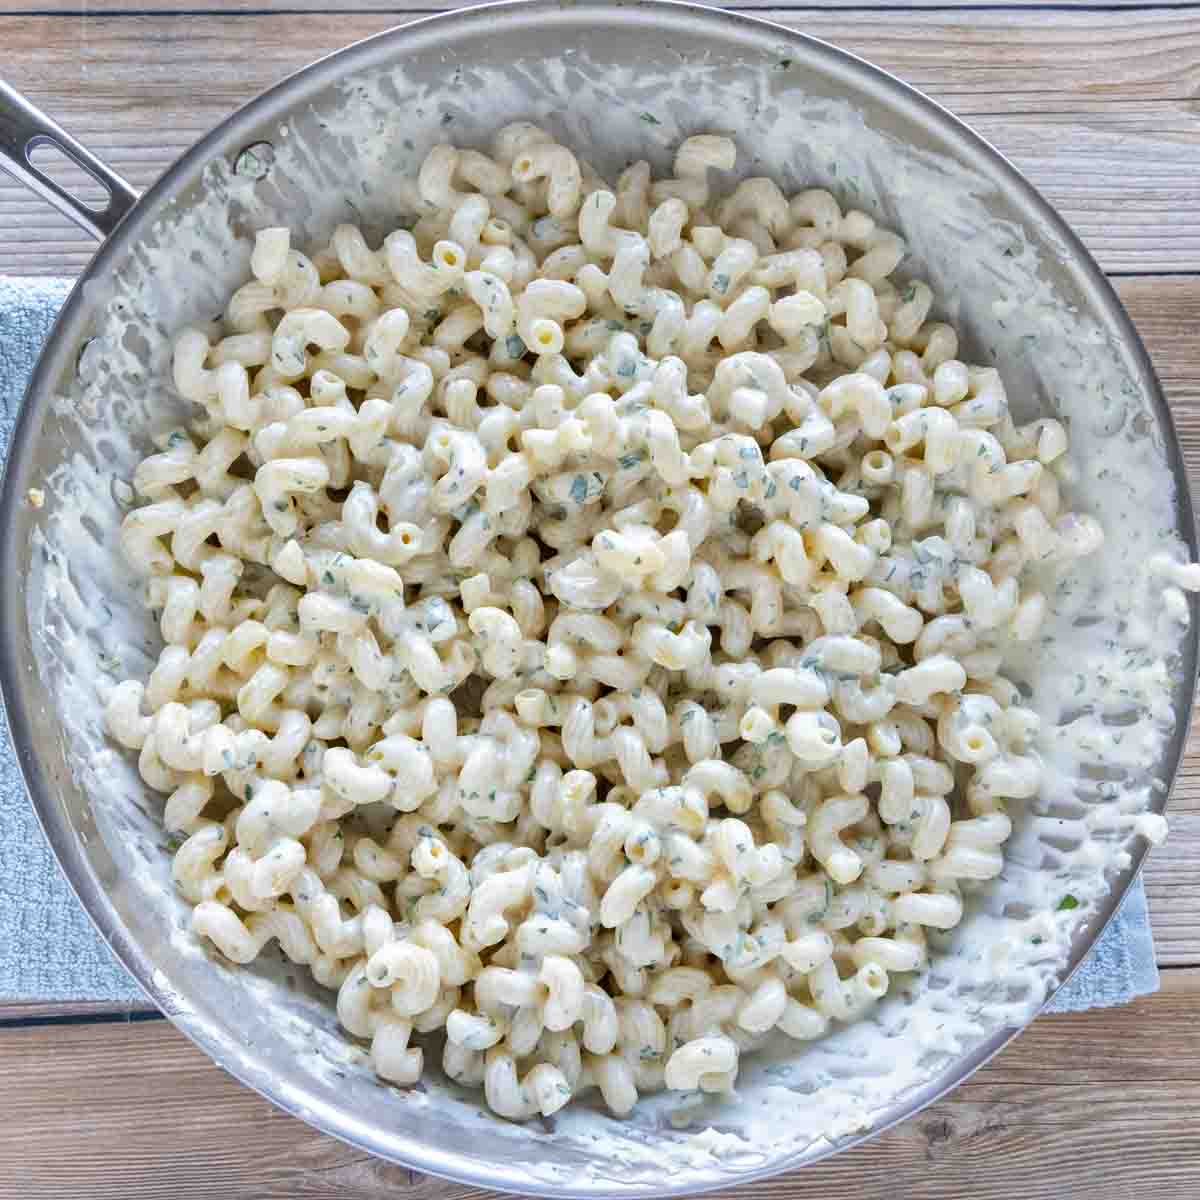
(332, 143)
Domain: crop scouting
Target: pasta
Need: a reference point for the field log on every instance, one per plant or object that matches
(583, 617)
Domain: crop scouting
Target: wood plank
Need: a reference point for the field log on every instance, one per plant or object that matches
(13, 1011)
(1167, 314)
(1173, 892)
(137, 1105)
(1097, 107)
(1172, 884)
(1081, 60)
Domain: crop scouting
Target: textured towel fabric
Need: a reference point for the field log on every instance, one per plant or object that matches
(48, 948)
(1121, 964)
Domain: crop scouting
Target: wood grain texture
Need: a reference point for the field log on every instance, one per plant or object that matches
(1167, 314)
(1100, 108)
(20, 1011)
(137, 1112)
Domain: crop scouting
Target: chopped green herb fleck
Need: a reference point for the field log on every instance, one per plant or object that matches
(255, 161)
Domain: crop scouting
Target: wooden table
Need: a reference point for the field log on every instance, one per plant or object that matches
(1100, 106)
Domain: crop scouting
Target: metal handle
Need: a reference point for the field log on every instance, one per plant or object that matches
(23, 128)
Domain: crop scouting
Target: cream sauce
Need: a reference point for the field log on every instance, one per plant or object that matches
(1103, 676)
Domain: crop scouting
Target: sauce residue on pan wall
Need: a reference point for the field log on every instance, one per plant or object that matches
(1104, 677)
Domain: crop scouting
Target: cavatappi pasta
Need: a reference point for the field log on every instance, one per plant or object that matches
(584, 616)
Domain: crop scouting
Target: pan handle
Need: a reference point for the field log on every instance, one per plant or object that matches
(23, 128)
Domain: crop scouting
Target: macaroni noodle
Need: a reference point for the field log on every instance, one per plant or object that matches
(583, 616)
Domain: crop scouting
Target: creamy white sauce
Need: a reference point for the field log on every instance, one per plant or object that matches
(1103, 676)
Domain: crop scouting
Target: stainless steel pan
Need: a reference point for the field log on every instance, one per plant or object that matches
(606, 77)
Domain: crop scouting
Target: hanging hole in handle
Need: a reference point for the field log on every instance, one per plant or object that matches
(61, 167)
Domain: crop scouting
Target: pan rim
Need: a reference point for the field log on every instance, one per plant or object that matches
(272, 105)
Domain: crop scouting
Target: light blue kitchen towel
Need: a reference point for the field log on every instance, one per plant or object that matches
(48, 948)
